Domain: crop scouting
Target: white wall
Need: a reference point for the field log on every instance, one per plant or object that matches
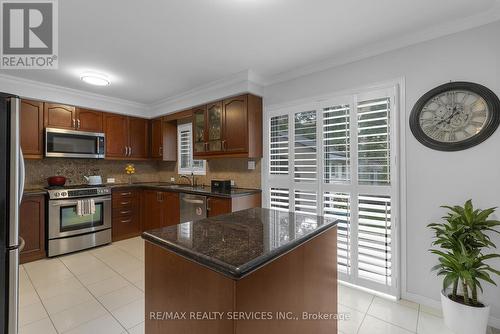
(433, 178)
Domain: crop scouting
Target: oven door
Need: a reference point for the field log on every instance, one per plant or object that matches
(64, 220)
(61, 143)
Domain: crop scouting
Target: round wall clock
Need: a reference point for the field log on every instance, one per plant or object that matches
(455, 116)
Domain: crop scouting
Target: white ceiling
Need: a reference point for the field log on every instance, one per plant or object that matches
(153, 50)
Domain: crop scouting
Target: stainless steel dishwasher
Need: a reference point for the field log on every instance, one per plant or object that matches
(193, 207)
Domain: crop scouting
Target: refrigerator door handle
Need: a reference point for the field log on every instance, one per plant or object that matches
(13, 295)
(22, 175)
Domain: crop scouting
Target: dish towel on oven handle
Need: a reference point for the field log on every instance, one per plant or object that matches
(85, 207)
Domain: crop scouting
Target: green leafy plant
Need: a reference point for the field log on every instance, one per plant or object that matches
(462, 237)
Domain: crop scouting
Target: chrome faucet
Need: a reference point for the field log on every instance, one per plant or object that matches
(191, 180)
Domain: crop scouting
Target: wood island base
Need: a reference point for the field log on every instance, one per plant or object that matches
(301, 282)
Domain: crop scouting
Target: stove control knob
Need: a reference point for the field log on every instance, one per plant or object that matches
(57, 194)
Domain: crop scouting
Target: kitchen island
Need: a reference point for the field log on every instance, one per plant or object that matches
(251, 271)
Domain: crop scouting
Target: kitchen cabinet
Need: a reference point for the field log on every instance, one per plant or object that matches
(126, 137)
(59, 116)
(88, 120)
(126, 214)
(160, 209)
(219, 205)
(156, 138)
(31, 129)
(32, 227)
(228, 128)
(138, 138)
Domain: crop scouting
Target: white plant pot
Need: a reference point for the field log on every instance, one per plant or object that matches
(463, 319)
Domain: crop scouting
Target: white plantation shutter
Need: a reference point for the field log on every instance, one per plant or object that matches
(336, 158)
(185, 152)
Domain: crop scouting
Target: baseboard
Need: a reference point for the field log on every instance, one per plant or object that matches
(429, 302)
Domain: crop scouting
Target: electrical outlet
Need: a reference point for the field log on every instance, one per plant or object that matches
(232, 183)
(251, 164)
(110, 180)
(172, 179)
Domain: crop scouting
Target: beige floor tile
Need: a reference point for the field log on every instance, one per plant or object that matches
(66, 300)
(351, 323)
(57, 288)
(140, 285)
(94, 277)
(105, 251)
(139, 329)
(78, 315)
(395, 313)
(131, 314)
(103, 325)
(28, 298)
(121, 297)
(431, 324)
(135, 275)
(431, 310)
(43, 326)
(31, 313)
(354, 298)
(124, 263)
(109, 285)
(373, 325)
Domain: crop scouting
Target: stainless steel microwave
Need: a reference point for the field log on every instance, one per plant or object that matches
(61, 143)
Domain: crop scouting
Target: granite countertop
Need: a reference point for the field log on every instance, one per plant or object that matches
(201, 190)
(185, 188)
(239, 243)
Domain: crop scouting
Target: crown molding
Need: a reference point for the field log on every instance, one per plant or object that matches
(449, 28)
(242, 82)
(48, 92)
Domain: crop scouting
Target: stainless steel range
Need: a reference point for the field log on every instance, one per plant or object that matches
(70, 229)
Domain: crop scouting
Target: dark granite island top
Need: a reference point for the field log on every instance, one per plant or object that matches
(239, 243)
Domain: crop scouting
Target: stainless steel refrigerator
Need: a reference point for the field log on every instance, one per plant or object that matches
(11, 192)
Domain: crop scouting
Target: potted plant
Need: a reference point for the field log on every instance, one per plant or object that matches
(462, 238)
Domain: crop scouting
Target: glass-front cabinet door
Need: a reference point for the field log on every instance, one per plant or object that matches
(214, 125)
(199, 130)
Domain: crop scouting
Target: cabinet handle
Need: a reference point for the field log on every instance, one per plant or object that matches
(224, 146)
(126, 194)
(74, 122)
(125, 203)
(78, 123)
(160, 150)
(130, 151)
(126, 151)
(206, 147)
(126, 221)
(125, 212)
(22, 244)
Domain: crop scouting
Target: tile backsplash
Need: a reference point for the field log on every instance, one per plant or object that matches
(37, 171)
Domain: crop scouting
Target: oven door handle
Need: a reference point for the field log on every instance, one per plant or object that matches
(59, 202)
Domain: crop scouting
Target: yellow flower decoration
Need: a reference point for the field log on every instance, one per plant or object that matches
(130, 169)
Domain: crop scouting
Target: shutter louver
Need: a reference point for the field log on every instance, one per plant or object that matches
(337, 206)
(374, 238)
(185, 148)
(185, 154)
(280, 199)
(305, 202)
(336, 144)
(305, 147)
(279, 139)
(374, 142)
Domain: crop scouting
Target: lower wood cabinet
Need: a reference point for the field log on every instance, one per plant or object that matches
(160, 209)
(32, 227)
(126, 216)
(219, 205)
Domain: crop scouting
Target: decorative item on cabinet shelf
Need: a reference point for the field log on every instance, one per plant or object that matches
(130, 170)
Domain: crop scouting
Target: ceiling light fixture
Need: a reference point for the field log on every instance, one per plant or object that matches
(96, 79)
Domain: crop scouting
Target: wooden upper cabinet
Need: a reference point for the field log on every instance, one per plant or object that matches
(31, 129)
(169, 130)
(156, 138)
(235, 125)
(59, 116)
(116, 130)
(228, 128)
(200, 133)
(138, 138)
(88, 120)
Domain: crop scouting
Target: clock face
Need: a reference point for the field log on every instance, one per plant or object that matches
(454, 116)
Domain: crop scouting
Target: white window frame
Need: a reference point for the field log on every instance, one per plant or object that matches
(393, 90)
(191, 169)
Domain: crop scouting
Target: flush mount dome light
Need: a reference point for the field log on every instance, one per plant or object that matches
(96, 79)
